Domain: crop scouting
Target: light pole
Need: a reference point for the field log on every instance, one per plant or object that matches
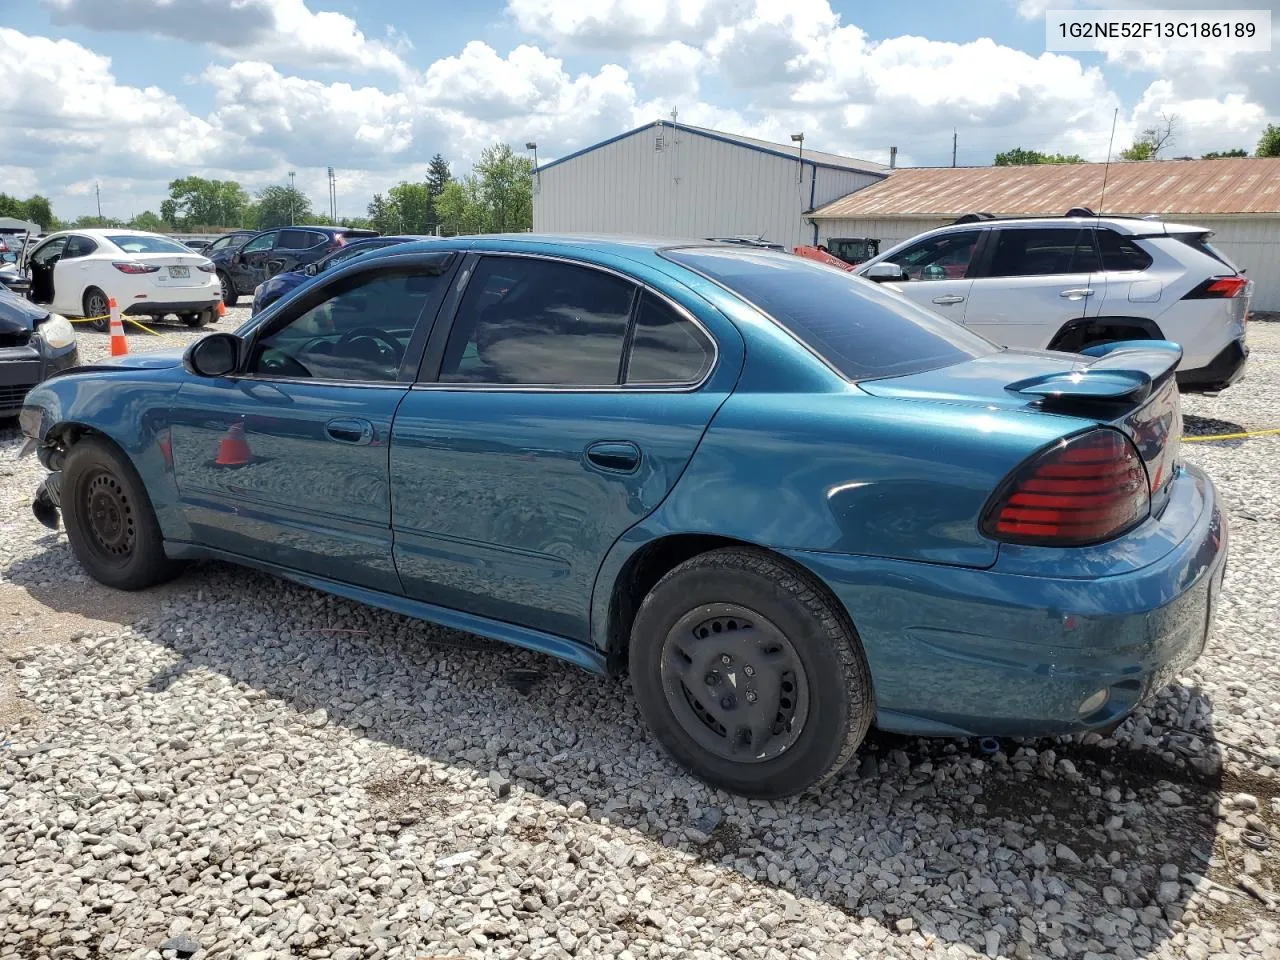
(291, 195)
(798, 138)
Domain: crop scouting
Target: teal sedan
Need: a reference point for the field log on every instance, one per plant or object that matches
(790, 504)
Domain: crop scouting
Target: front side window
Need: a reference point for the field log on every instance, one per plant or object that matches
(360, 332)
(531, 321)
(945, 257)
(260, 244)
(1035, 252)
(50, 252)
(862, 331)
(144, 244)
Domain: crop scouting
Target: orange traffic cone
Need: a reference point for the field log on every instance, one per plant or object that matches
(222, 309)
(119, 346)
(234, 450)
(165, 443)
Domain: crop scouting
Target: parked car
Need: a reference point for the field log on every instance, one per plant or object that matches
(273, 288)
(12, 276)
(34, 344)
(789, 502)
(1064, 283)
(75, 272)
(262, 256)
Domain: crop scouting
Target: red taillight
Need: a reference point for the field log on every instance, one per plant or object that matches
(1084, 490)
(1218, 288)
(125, 267)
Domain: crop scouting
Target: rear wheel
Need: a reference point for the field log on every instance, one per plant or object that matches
(749, 675)
(229, 296)
(96, 307)
(194, 319)
(111, 525)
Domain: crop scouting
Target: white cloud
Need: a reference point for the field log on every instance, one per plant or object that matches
(669, 71)
(621, 24)
(280, 31)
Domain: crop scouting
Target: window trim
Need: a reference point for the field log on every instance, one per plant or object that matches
(320, 292)
(428, 378)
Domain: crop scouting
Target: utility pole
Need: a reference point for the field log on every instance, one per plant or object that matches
(98, 193)
(953, 146)
(333, 197)
(291, 196)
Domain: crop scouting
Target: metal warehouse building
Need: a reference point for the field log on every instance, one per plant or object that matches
(674, 180)
(1237, 198)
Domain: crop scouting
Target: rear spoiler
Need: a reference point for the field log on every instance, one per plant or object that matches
(1126, 371)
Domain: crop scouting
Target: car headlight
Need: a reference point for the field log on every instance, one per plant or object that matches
(57, 331)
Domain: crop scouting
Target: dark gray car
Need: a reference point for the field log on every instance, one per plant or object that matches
(34, 344)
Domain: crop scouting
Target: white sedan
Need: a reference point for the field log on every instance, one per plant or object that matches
(74, 272)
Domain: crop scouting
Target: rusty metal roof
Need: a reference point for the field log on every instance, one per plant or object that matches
(1229, 186)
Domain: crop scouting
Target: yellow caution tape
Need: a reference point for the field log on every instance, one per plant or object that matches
(1234, 436)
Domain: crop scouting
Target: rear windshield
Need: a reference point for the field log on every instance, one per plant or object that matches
(136, 244)
(862, 331)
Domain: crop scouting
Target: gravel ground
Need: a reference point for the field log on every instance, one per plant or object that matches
(232, 766)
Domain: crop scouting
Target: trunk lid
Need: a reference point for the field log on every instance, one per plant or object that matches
(176, 269)
(1129, 386)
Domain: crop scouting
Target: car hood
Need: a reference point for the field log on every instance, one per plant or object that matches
(18, 314)
(158, 360)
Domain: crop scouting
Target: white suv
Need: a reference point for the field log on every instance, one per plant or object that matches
(1064, 283)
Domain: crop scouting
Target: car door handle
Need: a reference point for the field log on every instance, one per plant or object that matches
(619, 456)
(1076, 293)
(350, 430)
(952, 298)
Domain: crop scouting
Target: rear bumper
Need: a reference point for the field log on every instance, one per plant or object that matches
(158, 308)
(966, 652)
(1220, 372)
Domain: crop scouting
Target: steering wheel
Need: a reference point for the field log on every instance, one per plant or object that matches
(373, 333)
(280, 364)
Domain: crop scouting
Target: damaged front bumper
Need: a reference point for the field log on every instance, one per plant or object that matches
(48, 500)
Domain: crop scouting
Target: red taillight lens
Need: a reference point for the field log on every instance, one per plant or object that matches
(1084, 490)
(1218, 288)
(125, 267)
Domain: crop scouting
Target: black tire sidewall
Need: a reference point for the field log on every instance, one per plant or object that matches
(833, 705)
(98, 325)
(147, 564)
(229, 295)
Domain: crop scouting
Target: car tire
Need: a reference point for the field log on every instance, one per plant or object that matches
(194, 319)
(229, 295)
(110, 522)
(783, 657)
(96, 304)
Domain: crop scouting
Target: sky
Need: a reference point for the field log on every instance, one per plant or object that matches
(130, 94)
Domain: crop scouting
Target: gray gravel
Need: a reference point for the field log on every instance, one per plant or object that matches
(248, 769)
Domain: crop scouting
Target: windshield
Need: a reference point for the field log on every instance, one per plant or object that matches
(134, 243)
(862, 331)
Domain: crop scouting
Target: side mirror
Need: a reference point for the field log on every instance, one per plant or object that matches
(885, 272)
(216, 355)
(311, 270)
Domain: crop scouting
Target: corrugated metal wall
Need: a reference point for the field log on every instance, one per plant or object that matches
(834, 184)
(692, 187)
(1252, 243)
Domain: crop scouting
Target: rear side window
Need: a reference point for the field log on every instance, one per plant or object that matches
(299, 239)
(1200, 242)
(862, 331)
(79, 247)
(666, 347)
(1038, 253)
(1121, 253)
(531, 321)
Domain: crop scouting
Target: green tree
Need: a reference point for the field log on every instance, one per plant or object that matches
(1219, 154)
(461, 209)
(12, 207)
(1018, 157)
(506, 188)
(412, 202)
(147, 221)
(1152, 140)
(39, 210)
(1269, 144)
(279, 206)
(169, 213)
(438, 175)
(86, 221)
(383, 215)
(195, 201)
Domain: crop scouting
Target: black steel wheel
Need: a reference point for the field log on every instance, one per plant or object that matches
(97, 307)
(750, 673)
(110, 522)
(735, 682)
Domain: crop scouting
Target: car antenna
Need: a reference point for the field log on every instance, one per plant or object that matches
(1107, 167)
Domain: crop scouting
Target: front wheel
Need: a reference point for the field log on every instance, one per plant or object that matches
(195, 319)
(749, 675)
(229, 295)
(111, 525)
